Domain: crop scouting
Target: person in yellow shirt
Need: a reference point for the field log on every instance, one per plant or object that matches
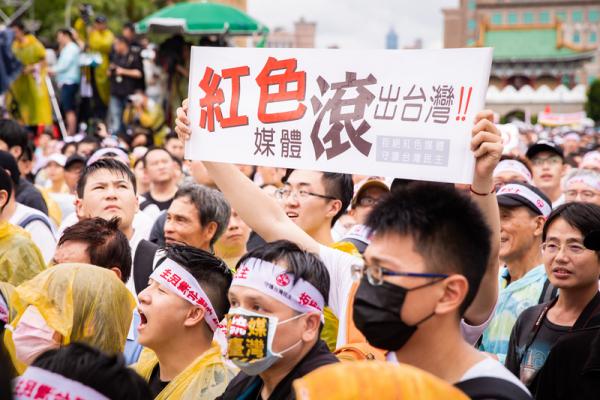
(29, 90)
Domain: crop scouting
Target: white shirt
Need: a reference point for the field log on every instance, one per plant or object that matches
(339, 265)
(491, 368)
(42, 236)
(559, 202)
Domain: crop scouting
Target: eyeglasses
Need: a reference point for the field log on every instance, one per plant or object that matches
(281, 194)
(584, 194)
(375, 274)
(554, 248)
(367, 201)
(554, 160)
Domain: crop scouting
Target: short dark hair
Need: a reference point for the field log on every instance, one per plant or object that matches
(585, 217)
(18, 24)
(341, 187)
(211, 272)
(211, 206)
(122, 39)
(67, 32)
(13, 134)
(107, 246)
(151, 149)
(8, 162)
(336, 185)
(106, 374)
(171, 135)
(302, 264)
(89, 139)
(67, 145)
(109, 164)
(448, 230)
(5, 184)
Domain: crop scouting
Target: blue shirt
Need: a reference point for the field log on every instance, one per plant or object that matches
(132, 348)
(67, 67)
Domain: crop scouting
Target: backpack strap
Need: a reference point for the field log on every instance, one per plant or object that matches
(484, 388)
(35, 217)
(549, 292)
(143, 264)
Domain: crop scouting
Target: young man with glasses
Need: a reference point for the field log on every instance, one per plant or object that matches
(369, 193)
(314, 201)
(523, 280)
(548, 169)
(573, 269)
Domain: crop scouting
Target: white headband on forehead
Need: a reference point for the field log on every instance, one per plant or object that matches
(179, 281)
(513, 166)
(592, 156)
(587, 180)
(276, 282)
(527, 194)
(37, 383)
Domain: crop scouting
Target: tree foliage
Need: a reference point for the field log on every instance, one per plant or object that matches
(592, 106)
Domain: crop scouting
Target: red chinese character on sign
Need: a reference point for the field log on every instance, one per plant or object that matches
(183, 287)
(304, 299)
(211, 102)
(193, 296)
(166, 274)
(174, 280)
(25, 388)
(62, 396)
(266, 78)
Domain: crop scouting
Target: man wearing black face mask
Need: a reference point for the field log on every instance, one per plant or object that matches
(422, 270)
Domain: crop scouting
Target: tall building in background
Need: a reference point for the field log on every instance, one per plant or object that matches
(391, 39)
(545, 51)
(303, 35)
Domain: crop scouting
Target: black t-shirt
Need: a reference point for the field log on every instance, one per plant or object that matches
(123, 86)
(156, 385)
(526, 362)
(161, 205)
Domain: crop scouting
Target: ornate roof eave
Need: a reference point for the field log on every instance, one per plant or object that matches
(484, 26)
(575, 57)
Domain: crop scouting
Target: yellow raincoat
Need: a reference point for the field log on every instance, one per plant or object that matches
(82, 302)
(101, 42)
(377, 380)
(151, 117)
(29, 89)
(205, 379)
(20, 258)
(7, 292)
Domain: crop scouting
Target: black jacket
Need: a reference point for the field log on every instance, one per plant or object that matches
(572, 370)
(248, 387)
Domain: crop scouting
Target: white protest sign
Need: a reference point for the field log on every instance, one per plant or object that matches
(405, 113)
(510, 137)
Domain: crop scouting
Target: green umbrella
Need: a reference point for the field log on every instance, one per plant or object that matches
(200, 18)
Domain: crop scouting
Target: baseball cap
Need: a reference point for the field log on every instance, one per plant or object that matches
(544, 145)
(56, 158)
(101, 19)
(365, 184)
(74, 158)
(592, 241)
(524, 195)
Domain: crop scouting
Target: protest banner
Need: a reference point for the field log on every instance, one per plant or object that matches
(405, 113)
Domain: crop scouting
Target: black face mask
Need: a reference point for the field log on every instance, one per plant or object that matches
(377, 311)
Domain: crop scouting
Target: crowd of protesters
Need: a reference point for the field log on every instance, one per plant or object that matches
(129, 272)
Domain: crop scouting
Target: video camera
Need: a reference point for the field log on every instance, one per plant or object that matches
(87, 12)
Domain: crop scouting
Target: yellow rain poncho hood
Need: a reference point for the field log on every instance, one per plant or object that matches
(20, 258)
(205, 379)
(83, 303)
(377, 380)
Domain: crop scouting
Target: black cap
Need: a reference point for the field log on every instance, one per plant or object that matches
(101, 19)
(592, 241)
(544, 145)
(74, 158)
(508, 197)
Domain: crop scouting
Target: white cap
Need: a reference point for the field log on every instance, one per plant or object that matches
(58, 158)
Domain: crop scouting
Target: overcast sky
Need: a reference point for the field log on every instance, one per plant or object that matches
(359, 24)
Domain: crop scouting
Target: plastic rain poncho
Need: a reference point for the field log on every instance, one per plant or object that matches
(20, 258)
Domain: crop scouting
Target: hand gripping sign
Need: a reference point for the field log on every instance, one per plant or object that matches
(405, 113)
(179, 281)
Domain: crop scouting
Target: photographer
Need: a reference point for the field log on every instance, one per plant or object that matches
(125, 72)
(141, 111)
